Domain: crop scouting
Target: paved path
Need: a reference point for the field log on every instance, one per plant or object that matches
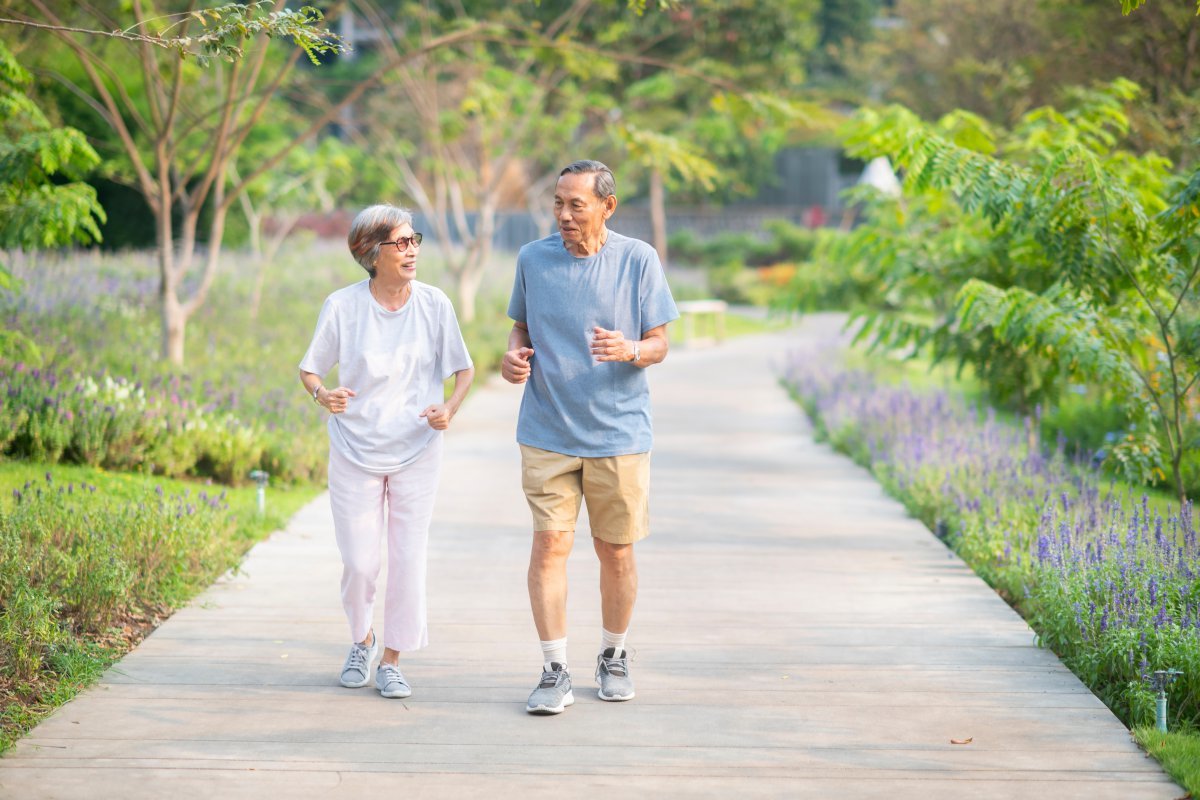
(796, 636)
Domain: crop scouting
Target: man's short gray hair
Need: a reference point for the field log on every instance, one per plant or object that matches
(604, 185)
(374, 224)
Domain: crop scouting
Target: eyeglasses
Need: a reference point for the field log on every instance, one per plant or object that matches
(404, 241)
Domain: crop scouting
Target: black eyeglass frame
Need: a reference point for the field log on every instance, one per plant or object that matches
(414, 240)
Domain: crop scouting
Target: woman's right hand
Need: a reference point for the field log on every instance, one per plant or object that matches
(515, 366)
(335, 400)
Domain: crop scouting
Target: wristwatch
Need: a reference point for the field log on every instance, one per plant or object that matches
(637, 352)
(316, 392)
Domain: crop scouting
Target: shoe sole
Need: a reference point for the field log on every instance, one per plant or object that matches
(615, 698)
(364, 682)
(542, 711)
(396, 694)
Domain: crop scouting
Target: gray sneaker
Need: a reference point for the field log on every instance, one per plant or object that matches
(356, 672)
(612, 673)
(390, 682)
(553, 692)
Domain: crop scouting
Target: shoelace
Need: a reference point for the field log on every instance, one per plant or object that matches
(549, 679)
(615, 666)
(358, 657)
(392, 674)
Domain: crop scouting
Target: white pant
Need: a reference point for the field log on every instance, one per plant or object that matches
(364, 507)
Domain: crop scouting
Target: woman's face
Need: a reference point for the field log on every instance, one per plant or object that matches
(398, 263)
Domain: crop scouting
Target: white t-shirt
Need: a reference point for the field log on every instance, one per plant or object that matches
(395, 362)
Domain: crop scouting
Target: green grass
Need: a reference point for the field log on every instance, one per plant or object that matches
(72, 651)
(281, 501)
(742, 325)
(1179, 753)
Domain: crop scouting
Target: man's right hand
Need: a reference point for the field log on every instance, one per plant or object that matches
(515, 366)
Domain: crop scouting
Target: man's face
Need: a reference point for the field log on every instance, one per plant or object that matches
(579, 212)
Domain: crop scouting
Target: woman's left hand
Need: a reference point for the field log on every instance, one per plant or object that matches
(438, 416)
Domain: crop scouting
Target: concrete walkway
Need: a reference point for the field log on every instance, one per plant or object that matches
(796, 636)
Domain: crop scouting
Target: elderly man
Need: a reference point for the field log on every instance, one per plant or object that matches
(590, 310)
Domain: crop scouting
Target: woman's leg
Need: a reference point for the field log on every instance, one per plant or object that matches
(411, 493)
(356, 498)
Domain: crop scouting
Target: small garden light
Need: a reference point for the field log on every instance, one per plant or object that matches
(260, 477)
(1160, 680)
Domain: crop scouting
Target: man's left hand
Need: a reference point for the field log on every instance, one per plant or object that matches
(611, 345)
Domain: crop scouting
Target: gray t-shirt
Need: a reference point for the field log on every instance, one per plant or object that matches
(573, 404)
(395, 362)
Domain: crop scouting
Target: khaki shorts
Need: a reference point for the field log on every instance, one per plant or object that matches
(616, 489)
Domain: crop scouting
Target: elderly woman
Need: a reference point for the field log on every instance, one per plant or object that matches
(395, 341)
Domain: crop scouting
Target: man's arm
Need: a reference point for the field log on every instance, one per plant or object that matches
(613, 346)
(515, 366)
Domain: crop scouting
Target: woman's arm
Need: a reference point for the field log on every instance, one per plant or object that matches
(334, 401)
(439, 415)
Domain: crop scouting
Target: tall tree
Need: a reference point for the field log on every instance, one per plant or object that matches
(316, 179)
(1047, 245)
(36, 210)
(711, 91)
(42, 201)
(1002, 58)
(180, 126)
(458, 133)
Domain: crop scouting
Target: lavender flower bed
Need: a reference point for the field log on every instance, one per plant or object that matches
(1110, 584)
(93, 390)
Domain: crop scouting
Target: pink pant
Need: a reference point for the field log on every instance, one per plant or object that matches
(365, 506)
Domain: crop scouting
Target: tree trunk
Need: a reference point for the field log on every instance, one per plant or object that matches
(174, 323)
(658, 215)
(468, 286)
(286, 222)
(1177, 470)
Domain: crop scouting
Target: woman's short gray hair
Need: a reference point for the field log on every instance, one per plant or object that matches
(373, 225)
(604, 185)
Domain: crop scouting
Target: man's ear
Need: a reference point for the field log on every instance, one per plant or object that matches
(610, 205)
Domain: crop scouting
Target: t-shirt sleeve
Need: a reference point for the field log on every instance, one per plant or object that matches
(658, 306)
(323, 350)
(516, 303)
(452, 350)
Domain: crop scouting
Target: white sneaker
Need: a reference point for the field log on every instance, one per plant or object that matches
(356, 672)
(390, 682)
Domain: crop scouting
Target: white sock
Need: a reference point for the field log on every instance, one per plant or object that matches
(614, 640)
(554, 650)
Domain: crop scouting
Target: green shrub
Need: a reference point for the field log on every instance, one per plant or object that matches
(12, 419)
(821, 284)
(28, 631)
(789, 242)
(685, 247)
(1086, 420)
(228, 450)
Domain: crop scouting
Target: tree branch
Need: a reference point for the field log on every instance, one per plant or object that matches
(363, 86)
(85, 60)
(61, 29)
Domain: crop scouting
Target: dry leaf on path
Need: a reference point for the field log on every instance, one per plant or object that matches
(968, 740)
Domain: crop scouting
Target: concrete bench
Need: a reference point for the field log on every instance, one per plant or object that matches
(703, 321)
